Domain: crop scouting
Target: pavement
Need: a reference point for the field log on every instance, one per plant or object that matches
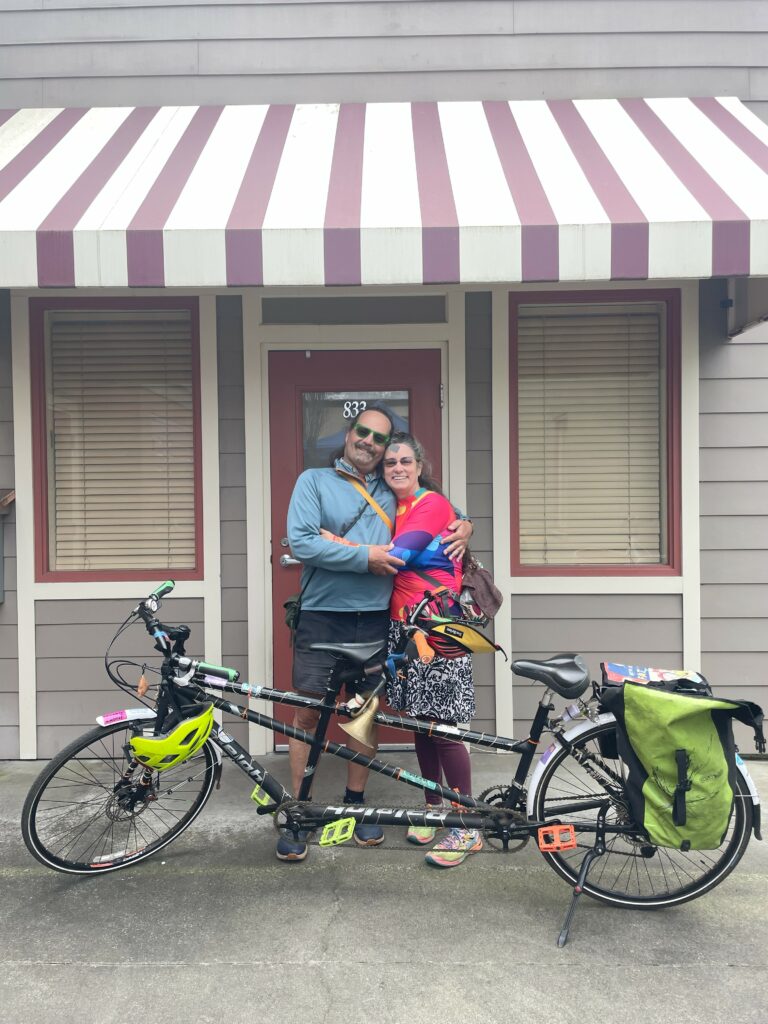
(215, 929)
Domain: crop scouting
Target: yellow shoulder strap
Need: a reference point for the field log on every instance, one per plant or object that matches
(370, 499)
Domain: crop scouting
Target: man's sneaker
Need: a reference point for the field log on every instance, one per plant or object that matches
(368, 835)
(420, 835)
(291, 849)
(454, 848)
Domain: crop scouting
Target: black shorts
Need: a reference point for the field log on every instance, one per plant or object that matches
(311, 669)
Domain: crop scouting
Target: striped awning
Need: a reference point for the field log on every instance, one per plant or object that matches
(382, 193)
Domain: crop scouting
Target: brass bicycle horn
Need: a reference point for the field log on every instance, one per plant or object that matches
(362, 726)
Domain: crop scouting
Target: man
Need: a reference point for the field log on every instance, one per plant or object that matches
(346, 589)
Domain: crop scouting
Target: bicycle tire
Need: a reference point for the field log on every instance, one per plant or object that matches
(72, 820)
(625, 875)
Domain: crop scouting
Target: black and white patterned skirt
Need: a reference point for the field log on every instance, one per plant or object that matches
(443, 689)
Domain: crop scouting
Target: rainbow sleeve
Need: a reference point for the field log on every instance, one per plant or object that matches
(420, 526)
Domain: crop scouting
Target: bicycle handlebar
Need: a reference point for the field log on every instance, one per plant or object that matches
(150, 604)
(201, 669)
(162, 590)
(146, 611)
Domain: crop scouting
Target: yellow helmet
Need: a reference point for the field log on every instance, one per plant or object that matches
(455, 638)
(180, 742)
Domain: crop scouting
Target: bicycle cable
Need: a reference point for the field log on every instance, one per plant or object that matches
(113, 667)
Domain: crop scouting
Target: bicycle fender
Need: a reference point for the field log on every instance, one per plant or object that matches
(126, 715)
(569, 734)
(741, 765)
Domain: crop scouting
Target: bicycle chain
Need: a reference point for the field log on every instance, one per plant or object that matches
(283, 810)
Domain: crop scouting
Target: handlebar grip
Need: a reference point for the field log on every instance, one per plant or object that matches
(163, 589)
(229, 675)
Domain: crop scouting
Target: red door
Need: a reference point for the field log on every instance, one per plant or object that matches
(313, 395)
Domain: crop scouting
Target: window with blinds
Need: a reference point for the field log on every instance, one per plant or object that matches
(120, 440)
(591, 414)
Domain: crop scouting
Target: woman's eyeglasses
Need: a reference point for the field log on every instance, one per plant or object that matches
(363, 432)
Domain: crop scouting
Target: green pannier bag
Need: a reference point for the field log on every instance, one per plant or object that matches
(680, 756)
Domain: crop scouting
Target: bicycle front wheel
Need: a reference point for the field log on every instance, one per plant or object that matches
(83, 817)
(632, 872)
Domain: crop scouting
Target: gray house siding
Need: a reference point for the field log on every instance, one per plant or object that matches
(479, 471)
(734, 504)
(234, 563)
(72, 687)
(634, 629)
(100, 52)
(9, 675)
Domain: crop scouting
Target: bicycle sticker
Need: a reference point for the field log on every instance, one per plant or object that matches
(114, 716)
(403, 774)
(212, 681)
(337, 832)
(251, 688)
(129, 715)
(548, 753)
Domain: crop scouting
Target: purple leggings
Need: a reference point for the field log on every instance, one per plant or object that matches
(438, 758)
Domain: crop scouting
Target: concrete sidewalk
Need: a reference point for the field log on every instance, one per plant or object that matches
(215, 929)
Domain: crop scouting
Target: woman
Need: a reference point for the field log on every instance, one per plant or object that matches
(443, 689)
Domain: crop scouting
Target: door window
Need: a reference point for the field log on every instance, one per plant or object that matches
(323, 411)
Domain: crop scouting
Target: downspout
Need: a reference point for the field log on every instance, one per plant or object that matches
(7, 498)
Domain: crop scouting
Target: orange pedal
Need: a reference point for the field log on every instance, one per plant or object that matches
(552, 838)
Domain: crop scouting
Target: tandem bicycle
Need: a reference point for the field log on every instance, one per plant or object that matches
(125, 790)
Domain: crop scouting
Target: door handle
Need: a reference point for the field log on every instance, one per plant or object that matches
(287, 560)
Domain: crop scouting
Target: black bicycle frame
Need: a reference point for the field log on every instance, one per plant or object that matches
(479, 815)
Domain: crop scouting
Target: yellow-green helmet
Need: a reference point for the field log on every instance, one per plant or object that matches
(180, 742)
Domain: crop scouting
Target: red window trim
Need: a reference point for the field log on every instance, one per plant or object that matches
(671, 298)
(37, 310)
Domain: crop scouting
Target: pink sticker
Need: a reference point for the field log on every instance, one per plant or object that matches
(114, 716)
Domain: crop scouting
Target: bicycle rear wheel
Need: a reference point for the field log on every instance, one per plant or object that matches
(81, 817)
(632, 872)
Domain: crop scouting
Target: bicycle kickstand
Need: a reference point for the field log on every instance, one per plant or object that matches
(591, 855)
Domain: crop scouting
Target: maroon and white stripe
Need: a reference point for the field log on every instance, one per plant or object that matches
(390, 193)
(244, 258)
(341, 251)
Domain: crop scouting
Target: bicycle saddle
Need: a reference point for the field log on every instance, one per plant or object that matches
(566, 674)
(359, 653)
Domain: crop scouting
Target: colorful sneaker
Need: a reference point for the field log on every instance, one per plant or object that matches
(368, 835)
(420, 835)
(290, 849)
(454, 848)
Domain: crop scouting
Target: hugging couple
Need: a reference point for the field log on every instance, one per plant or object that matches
(365, 560)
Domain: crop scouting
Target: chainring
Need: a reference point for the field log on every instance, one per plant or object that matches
(499, 796)
(282, 817)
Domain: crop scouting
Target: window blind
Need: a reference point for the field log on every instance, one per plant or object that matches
(121, 467)
(591, 436)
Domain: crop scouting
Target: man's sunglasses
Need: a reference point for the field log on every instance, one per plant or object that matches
(363, 432)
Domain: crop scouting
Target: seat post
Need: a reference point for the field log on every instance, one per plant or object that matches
(332, 691)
